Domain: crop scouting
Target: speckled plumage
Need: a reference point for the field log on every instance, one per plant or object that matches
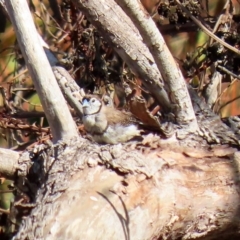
(106, 124)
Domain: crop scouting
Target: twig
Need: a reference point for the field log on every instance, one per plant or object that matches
(209, 33)
(228, 72)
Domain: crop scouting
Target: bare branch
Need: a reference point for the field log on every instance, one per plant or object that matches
(69, 87)
(8, 162)
(171, 73)
(134, 52)
(119, 30)
(208, 32)
(55, 107)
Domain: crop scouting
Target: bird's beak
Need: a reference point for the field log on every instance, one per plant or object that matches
(85, 103)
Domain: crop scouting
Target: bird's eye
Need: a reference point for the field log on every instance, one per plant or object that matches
(93, 100)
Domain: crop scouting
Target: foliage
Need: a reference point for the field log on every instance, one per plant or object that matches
(198, 52)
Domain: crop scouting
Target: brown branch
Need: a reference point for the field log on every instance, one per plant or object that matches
(20, 125)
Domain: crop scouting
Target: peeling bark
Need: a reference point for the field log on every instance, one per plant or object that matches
(113, 192)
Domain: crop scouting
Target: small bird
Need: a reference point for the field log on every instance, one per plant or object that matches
(106, 124)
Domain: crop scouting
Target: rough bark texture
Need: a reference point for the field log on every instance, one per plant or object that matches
(113, 192)
(154, 189)
(173, 78)
(117, 28)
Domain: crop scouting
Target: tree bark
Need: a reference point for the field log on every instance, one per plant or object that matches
(113, 192)
(106, 16)
(172, 76)
(54, 105)
(154, 189)
(8, 160)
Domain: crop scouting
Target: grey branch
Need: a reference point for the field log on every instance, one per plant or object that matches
(171, 73)
(55, 107)
(13, 165)
(138, 57)
(127, 42)
(70, 89)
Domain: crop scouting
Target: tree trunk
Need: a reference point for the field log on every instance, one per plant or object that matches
(132, 191)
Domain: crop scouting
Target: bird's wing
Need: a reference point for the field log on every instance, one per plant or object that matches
(115, 116)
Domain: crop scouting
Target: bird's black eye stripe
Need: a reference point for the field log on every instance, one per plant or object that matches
(93, 100)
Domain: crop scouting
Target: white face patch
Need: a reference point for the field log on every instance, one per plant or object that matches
(91, 106)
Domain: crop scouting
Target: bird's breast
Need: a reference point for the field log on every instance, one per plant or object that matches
(117, 134)
(88, 122)
(95, 124)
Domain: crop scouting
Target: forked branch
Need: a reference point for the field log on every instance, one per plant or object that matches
(131, 46)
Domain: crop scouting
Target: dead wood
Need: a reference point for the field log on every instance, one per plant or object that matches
(135, 191)
(55, 107)
(154, 189)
